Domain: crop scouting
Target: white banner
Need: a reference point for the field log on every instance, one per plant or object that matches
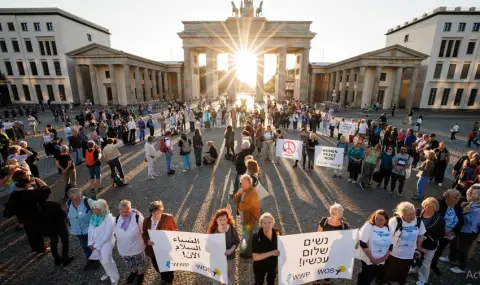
(346, 129)
(313, 256)
(194, 252)
(327, 156)
(289, 149)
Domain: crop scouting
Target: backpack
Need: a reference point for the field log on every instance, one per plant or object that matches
(85, 202)
(117, 181)
(324, 223)
(90, 157)
(400, 224)
(163, 145)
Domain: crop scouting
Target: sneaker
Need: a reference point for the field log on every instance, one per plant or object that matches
(132, 277)
(104, 277)
(151, 178)
(184, 170)
(412, 270)
(457, 270)
(420, 283)
(439, 184)
(171, 172)
(353, 182)
(446, 260)
(349, 180)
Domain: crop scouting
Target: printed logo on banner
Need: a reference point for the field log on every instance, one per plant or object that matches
(214, 271)
(295, 277)
(340, 269)
(289, 148)
(169, 264)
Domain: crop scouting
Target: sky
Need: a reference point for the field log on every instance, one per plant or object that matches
(148, 28)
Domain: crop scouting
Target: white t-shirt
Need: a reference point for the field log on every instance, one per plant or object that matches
(362, 129)
(130, 242)
(378, 240)
(32, 121)
(168, 144)
(132, 125)
(67, 131)
(405, 241)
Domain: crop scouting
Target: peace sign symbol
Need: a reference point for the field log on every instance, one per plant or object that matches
(289, 147)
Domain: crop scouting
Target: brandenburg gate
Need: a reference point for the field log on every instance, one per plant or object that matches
(245, 30)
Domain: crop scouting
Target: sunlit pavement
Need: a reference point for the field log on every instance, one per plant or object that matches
(298, 201)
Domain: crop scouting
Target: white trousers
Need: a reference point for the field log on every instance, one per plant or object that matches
(424, 270)
(150, 167)
(104, 254)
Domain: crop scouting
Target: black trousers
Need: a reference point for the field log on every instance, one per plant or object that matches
(152, 131)
(440, 167)
(386, 173)
(63, 234)
(165, 276)
(131, 136)
(259, 271)
(35, 237)
(368, 273)
(401, 182)
(461, 247)
(332, 130)
(442, 244)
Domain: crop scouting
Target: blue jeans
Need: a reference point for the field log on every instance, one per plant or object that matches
(141, 134)
(83, 240)
(187, 163)
(168, 161)
(421, 184)
(236, 184)
(78, 156)
(94, 172)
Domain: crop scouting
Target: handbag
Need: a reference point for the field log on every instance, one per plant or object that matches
(377, 176)
(408, 173)
(261, 192)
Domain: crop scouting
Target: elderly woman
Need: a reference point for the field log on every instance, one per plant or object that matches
(375, 243)
(265, 251)
(158, 220)
(79, 212)
(426, 174)
(452, 213)
(435, 226)
(128, 230)
(101, 239)
(223, 222)
(407, 233)
(470, 229)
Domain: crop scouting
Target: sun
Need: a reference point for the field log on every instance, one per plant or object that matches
(246, 67)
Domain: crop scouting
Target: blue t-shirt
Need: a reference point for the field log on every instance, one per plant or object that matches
(386, 161)
(409, 140)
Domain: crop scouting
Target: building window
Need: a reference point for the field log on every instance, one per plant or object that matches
(109, 93)
(476, 27)
(24, 27)
(341, 78)
(456, 48)
(42, 49)
(449, 48)
(26, 92)
(442, 48)
(28, 45)
(89, 37)
(46, 71)
(36, 26)
(11, 27)
(21, 69)
(9, 68)
(473, 96)
(58, 69)
(33, 67)
(447, 26)
(49, 26)
(355, 78)
(16, 47)
(477, 73)
(471, 47)
(61, 90)
(461, 27)
(47, 47)
(1, 29)
(380, 96)
(446, 94)
(405, 39)
(15, 92)
(458, 97)
(38, 90)
(465, 69)
(51, 96)
(431, 98)
(348, 76)
(3, 46)
(383, 76)
(438, 70)
(54, 47)
(107, 74)
(451, 70)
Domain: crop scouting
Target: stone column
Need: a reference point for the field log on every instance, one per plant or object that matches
(281, 69)
(181, 97)
(376, 83)
(260, 75)
(360, 86)
(413, 87)
(211, 73)
(331, 82)
(10, 93)
(113, 84)
(165, 85)
(343, 88)
(304, 74)
(159, 85)
(81, 89)
(147, 84)
(351, 85)
(154, 85)
(93, 80)
(313, 80)
(232, 78)
(187, 73)
(397, 86)
(337, 86)
(138, 85)
(130, 98)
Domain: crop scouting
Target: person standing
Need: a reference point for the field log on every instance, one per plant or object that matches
(400, 162)
(332, 125)
(442, 158)
(31, 159)
(385, 167)
(304, 139)
(355, 158)
(268, 141)
(32, 122)
(310, 148)
(259, 139)
(342, 143)
(240, 166)
(151, 125)
(393, 109)
(230, 142)
(112, 157)
(185, 146)
(197, 147)
(426, 174)
(67, 168)
(141, 129)
(265, 251)
(93, 154)
(453, 131)
(370, 162)
(150, 154)
(168, 152)
(132, 127)
(76, 144)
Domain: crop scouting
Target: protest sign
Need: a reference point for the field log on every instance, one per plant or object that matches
(327, 156)
(289, 149)
(346, 129)
(194, 252)
(313, 256)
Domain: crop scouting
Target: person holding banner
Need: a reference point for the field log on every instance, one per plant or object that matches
(265, 251)
(223, 222)
(158, 220)
(355, 158)
(304, 139)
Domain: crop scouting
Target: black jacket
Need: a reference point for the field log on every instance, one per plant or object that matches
(53, 218)
(240, 162)
(435, 227)
(458, 212)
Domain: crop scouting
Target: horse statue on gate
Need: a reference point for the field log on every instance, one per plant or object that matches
(234, 10)
(259, 10)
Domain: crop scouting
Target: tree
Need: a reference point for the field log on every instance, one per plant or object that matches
(269, 86)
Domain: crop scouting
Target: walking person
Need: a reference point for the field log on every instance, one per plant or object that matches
(67, 169)
(185, 146)
(401, 162)
(111, 154)
(32, 122)
(342, 143)
(150, 154)
(93, 154)
(442, 158)
(167, 148)
(265, 251)
(425, 174)
(197, 147)
(355, 158)
(453, 131)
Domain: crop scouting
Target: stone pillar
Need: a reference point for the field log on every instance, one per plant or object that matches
(331, 82)
(313, 79)
(10, 93)
(412, 89)
(397, 86)
(260, 75)
(304, 75)
(343, 89)
(351, 85)
(281, 69)
(337, 86)
(232, 78)
(159, 85)
(129, 97)
(187, 73)
(360, 87)
(113, 84)
(179, 88)
(147, 84)
(93, 80)
(212, 86)
(81, 89)
(165, 85)
(138, 85)
(154, 84)
(376, 82)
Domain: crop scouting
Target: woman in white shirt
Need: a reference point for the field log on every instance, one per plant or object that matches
(407, 234)
(375, 245)
(101, 239)
(132, 127)
(32, 122)
(150, 153)
(47, 141)
(128, 230)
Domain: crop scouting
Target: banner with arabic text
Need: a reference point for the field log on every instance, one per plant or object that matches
(194, 252)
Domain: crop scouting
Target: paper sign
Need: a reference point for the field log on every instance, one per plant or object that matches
(331, 157)
(289, 149)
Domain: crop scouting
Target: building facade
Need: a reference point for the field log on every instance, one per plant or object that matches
(33, 47)
(450, 77)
